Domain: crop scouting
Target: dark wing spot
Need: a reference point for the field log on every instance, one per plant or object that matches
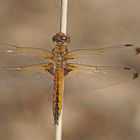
(135, 74)
(128, 45)
(137, 51)
(127, 68)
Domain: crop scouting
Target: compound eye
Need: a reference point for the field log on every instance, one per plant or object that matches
(55, 38)
(61, 39)
(64, 37)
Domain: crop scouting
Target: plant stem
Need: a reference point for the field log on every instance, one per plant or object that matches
(63, 28)
(58, 128)
(63, 17)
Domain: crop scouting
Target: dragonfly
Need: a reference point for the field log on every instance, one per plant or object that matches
(82, 68)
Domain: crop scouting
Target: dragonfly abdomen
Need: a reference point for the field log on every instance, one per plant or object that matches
(58, 93)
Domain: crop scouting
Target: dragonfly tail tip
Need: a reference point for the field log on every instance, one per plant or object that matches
(56, 122)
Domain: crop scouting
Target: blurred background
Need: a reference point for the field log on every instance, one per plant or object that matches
(108, 114)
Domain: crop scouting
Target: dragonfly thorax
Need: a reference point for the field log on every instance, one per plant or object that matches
(59, 55)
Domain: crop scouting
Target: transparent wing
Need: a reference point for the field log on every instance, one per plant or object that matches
(33, 76)
(12, 54)
(104, 56)
(97, 77)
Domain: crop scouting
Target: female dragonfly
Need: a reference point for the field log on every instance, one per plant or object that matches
(84, 68)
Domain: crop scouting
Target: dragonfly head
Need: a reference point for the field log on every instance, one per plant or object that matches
(61, 39)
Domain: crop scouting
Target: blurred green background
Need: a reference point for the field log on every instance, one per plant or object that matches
(108, 114)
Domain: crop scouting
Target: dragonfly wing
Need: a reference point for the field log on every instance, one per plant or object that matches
(97, 77)
(33, 76)
(19, 55)
(104, 56)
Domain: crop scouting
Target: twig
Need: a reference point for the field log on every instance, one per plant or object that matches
(58, 128)
(63, 28)
(63, 17)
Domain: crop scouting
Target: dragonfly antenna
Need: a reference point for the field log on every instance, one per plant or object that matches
(63, 29)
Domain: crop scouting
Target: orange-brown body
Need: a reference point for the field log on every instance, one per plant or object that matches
(59, 71)
(58, 93)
